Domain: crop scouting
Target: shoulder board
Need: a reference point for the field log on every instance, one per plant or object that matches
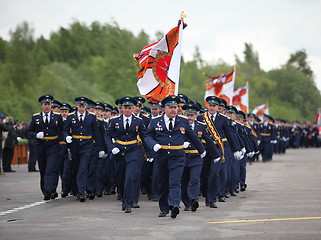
(36, 114)
(99, 119)
(156, 117)
(92, 113)
(223, 115)
(201, 123)
(56, 113)
(137, 117)
(183, 116)
(114, 117)
(70, 114)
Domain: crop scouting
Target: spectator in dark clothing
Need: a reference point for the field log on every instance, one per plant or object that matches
(9, 145)
(3, 128)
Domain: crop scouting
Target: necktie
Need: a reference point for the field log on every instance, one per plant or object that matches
(192, 126)
(212, 118)
(170, 126)
(127, 123)
(81, 118)
(46, 119)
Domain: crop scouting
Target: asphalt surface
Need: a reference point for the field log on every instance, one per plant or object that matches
(282, 201)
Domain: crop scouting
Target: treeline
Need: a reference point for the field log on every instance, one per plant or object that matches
(97, 61)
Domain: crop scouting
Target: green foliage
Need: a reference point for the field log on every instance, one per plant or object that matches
(96, 61)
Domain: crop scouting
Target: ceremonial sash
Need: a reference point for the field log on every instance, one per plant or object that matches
(213, 131)
(253, 132)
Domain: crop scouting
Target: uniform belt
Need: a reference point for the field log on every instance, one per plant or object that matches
(296, 132)
(62, 142)
(126, 142)
(49, 138)
(81, 137)
(265, 134)
(203, 141)
(169, 147)
(191, 151)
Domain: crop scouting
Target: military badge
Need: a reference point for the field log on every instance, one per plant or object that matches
(182, 130)
(199, 133)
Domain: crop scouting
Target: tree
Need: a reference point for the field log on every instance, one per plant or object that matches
(299, 61)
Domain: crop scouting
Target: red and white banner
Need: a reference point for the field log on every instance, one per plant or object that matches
(160, 66)
(241, 98)
(259, 111)
(221, 86)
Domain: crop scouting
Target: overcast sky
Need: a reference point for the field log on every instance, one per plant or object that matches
(276, 28)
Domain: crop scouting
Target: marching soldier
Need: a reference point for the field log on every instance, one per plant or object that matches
(47, 127)
(194, 162)
(267, 138)
(128, 155)
(166, 136)
(80, 131)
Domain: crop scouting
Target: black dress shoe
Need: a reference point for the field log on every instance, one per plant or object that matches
(163, 214)
(46, 197)
(243, 189)
(9, 170)
(155, 199)
(237, 191)
(53, 195)
(82, 198)
(213, 205)
(221, 199)
(187, 209)
(107, 193)
(207, 204)
(128, 210)
(34, 170)
(113, 191)
(233, 194)
(227, 195)
(135, 205)
(175, 212)
(194, 206)
(91, 196)
(99, 195)
(63, 195)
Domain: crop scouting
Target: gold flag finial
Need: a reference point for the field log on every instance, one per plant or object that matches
(183, 15)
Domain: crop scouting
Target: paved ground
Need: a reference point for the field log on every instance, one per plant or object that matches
(283, 201)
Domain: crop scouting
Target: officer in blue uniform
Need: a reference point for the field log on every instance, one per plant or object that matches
(296, 133)
(122, 138)
(182, 102)
(66, 184)
(226, 134)
(255, 137)
(47, 127)
(166, 136)
(267, 138)
(80, 131)
(194, 162)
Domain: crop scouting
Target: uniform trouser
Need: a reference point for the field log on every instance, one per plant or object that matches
(146, 176)
(63, 154)
(109, 171)
(228, 155)
(100, 174)
(67, 175)
(48, 155)
(205, 175)
(242, 164)
(92, 168)
(32, 160)
(80, 160)
(233, 175)
(170, 169)
(236, 180)
(155, 182)
(213, 181)
(191, 183)
(127, 171)
(266, 148)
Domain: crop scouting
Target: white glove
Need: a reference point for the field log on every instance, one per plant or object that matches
(257, 152)
(249, 155)
(101, 154)
(150, 159)
(115, 150)
(40, 135)
(237, 155)
(69, 139)
(243, 150)
(203, 154)
(186, 144)
(157, 147)
(217, 159)
(258, 142)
